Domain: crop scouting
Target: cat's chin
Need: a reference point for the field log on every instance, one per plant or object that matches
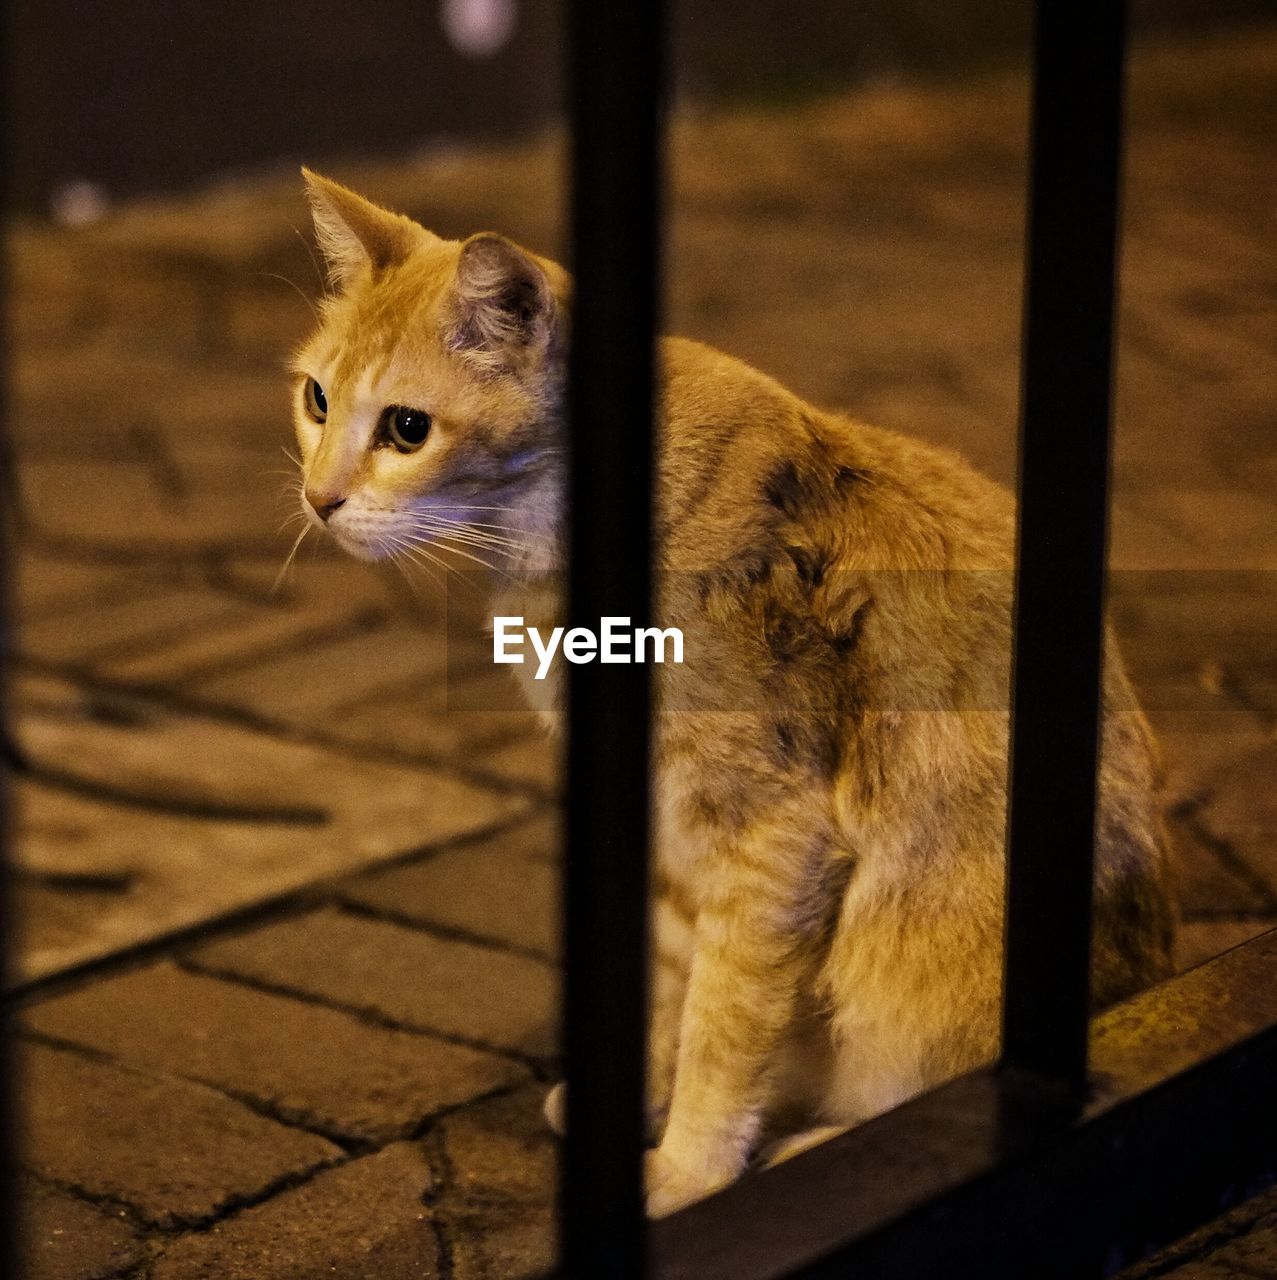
(360, 550)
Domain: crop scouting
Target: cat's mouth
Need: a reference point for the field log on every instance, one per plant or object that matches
(354, 541)
(361, 548)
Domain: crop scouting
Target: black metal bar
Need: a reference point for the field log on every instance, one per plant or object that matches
(615, 85)
(10, 759)
(1064, 464)
(1181, 1126)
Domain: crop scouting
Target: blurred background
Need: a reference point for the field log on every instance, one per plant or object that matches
(286, 880)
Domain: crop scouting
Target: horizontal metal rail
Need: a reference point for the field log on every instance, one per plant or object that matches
(1180, 1124)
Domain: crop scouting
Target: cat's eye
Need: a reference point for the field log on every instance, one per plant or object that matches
(316, 401)
(406, 429)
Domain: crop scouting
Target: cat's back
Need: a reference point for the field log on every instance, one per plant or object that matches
(746, 463)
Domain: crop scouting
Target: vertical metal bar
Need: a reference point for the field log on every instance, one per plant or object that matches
(9, 760)
(615, 86)
(1064, 463)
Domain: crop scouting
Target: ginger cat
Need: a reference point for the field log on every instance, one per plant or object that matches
(831, 757)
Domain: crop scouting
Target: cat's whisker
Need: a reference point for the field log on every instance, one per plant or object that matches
(290, 455)
(505, 546)
(423, 554)
(274, 275)
(288, 560)
(455, 506)
(310, 253)
(399, 550)
(466, 555)
(446, 538)
(425, 558)
(494, 533)
(477, 531)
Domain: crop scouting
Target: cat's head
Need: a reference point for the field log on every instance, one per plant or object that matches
(429, 399)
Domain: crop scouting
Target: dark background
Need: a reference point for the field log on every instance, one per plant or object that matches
(142, 97)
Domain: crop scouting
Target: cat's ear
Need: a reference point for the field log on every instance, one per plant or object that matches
(504, 302)
(354, 233)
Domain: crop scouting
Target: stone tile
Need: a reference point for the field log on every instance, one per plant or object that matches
(502, 1149)
(62, 1238)
(502, 1242)
(175, 1152)
(413, 978)
(1206, 885)
(1200, 940)
(51, 585)
(1242, 811)
(1138, 542)
(92, 637)
(470, 714)
(1233, 529)
(1254, 1253)
(305, 686)
(503, 889)
(1203, 1269)
(244, 635)
(63, 501)
(363, 1220)
(1178, 620)
(1207, 1253)
(533, 760)
(169, 869)
(499, 1202)
(309, 1065)
(1199, 757)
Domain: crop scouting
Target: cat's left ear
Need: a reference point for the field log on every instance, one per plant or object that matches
(504, 304)
(354, 233)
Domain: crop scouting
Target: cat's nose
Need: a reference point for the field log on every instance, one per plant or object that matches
(323, 504)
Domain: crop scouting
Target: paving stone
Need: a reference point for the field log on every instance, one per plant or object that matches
(503, 889)
(170, 869)
(1206, 885)
(498, 1205)
(63, 1238)
(462, 712)
(1232, 528)
(1252, 1254)
(1242, 811)
(1176, 621)
(93, 636)
(1200, 940)
(48, 586)
(502, 1242)
(1197, 757)
(502, 1149)
(63, 501)
(309, 1065)
(414, 978)
(1206, 1254)
(266, 323)
(175, 1152)
(366, 1220)
(304, 686)
(1205, 1269)
(533, 760)
(242, 635)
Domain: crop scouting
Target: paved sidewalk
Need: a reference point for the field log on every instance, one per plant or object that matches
(287, 890)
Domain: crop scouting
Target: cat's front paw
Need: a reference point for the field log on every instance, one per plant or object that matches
(671, 1185)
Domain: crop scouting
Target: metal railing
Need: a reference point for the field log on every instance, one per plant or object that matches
(1036, 1165)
